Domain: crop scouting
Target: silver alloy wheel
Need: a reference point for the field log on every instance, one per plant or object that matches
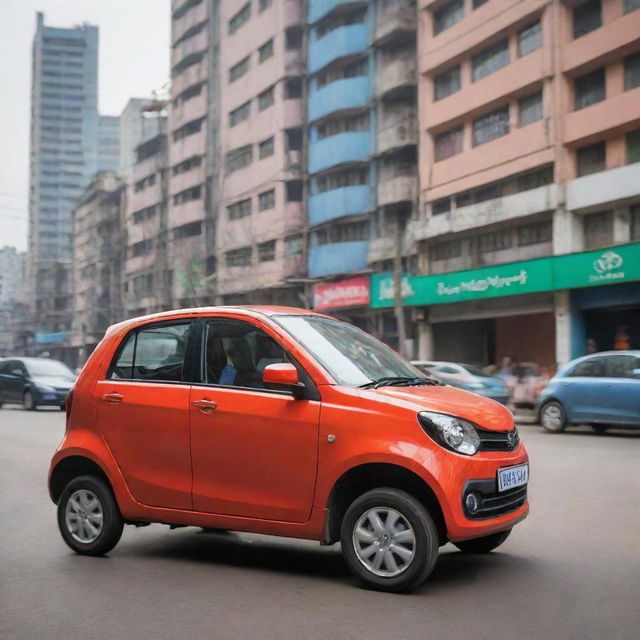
(384, 542)
(552, 417)
(27, 400)
(84, 516)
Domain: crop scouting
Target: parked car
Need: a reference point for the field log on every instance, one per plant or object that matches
(602, 389)
(467, 377)
(281, 421)
(34, 382)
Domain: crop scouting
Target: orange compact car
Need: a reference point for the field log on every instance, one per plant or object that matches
(281, 421)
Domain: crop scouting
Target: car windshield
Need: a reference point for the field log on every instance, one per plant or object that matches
(350, 355)
(48, 368)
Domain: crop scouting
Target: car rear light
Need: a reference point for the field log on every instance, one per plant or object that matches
(67, 406)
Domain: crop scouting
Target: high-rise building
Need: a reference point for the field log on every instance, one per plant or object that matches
(529, 225)
(108, 143)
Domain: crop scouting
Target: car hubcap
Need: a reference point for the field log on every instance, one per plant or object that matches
(384, 542)
(552, 417)
(84, 516)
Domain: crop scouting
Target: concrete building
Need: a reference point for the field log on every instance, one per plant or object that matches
(260, 208)
(147, 276)
(529, 180)
(13, 298)
(97, 265)
(134, 128)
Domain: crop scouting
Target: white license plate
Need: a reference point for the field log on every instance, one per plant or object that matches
(512, 477)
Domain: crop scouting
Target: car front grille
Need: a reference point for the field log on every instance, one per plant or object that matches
(492, 504)
(498, 440)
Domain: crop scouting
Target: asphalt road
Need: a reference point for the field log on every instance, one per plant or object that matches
(571, 570)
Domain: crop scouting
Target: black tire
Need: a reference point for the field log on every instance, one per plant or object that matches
(28, 401)
(112, 520)
(600, 428)
(484, 544)
(425, 547)
(553, 417)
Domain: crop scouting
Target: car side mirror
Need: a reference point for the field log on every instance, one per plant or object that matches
(283, 376)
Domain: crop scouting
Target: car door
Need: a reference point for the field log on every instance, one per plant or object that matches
(254, 450)
(621, 389)
(16, 378)
(581, 391)
(5, 381)
(142, 409)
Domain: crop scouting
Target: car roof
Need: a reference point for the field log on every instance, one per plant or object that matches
(248, 310)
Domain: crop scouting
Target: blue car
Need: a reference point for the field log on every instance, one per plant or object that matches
(602, 390)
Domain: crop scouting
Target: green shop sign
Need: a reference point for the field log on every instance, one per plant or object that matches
(572, 271)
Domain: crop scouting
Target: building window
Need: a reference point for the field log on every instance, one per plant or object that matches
(144, 214)
(143, 285)
(292, 246)
(478, 3)
(335, 126)
(239, 158)
(495, 241)
(293, 37)
(188, 93)
(293, 190)
(633, 146)
(240, 209)
(589, 89)
(340, 20)
(447, 16)
(145, 182)
(265, 51)
(265, 4)
(348, 232)
(446, 83)
(188, 61)
(240, 114)
(529, 39)
(441, 206)
(493, 125)
(351, 70)
(490, 60)
(448, 144)
(293, 139)
(591, 159)
(631, 5)
(632, 71)
(141, 248)
(267, 251)
(193, 193)
(187, 165)
(265, 148)
(587, 17)
(343, 178)
(267, 200)
(534, 233)
(635, 222)
(292, 88)
(239, 257)
(266, 99)
(188, 129)
(189, 230)
(240, 18)
(530, 109)
(446, 250)
(238, 70)
(598, 229)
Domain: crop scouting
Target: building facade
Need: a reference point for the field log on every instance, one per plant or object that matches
(108, 144)
(13, 298)
(529, 117)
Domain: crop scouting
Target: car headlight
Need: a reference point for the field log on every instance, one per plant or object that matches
(47, 388)
(450, 432)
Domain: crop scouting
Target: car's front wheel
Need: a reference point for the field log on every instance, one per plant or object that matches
(88, 516)
(553, 417)
(484, 544)
(389, 540)
(28, 401)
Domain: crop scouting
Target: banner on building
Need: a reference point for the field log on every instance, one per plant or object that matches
(571, 271)
(352, 292)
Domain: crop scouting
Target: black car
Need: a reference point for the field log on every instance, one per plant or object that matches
(33, 382)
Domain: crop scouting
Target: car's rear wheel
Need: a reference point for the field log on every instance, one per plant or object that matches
(484, 544)
(88, 516)
(28, 401)
(389, 540)
(553, 417)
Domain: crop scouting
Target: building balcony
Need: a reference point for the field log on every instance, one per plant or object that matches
(349, 93)
(395, 23)
(294, 63)
(320, 8)
(338, 203)
(192, 109)
(194, 16)
(187, 179)
(340, 257)
(191, 75)
(195, 44)
(351, 146)
(601, 188)
(396, 190)
(397, 133)
(339, 43)
(396, 76)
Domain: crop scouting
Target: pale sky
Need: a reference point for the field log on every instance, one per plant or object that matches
(133, 60)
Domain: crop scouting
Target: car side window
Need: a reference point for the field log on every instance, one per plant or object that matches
(153, 354)
(621, 366)
(237, 352)
(592, 368)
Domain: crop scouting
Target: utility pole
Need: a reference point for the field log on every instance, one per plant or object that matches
(397, 285)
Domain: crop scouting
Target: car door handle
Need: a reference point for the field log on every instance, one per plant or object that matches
(113, 397)
(205, 405)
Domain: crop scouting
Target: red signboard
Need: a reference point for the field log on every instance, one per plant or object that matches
(352, 292)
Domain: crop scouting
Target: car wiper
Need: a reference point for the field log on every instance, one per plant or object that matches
(400, 381)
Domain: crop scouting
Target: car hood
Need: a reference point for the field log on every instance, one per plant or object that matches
(58, 382)
(486, 413)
